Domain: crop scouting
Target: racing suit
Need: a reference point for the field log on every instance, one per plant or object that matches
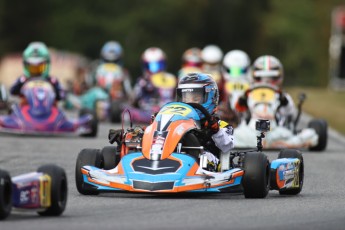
(59, 92)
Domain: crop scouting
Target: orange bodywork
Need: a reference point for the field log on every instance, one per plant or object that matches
(176, 130)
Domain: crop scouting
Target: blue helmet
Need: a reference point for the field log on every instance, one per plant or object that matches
(112, 52)
(198, 88)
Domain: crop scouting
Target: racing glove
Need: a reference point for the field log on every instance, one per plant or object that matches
(115, 135)
(213, 125)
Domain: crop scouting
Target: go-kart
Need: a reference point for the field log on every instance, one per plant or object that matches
(263, 103)
(164, 85)
(167, 157)
(38, 114)
(107, 97)
(44, 191)
(227, 108)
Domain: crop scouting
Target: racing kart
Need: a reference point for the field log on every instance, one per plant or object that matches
(38, 114)
(44, 191)
(164, 86)
(167, 157)
(227, 108)
(107, 97)
(263, 103)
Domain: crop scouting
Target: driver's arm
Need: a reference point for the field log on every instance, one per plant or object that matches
(224, 138)
(15, 89)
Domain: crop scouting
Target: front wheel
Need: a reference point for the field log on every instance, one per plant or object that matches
(5, 194)
(256, 175)
(58, 189)
(91, 157)
(110, 157)
(116, 111)
(293, 153)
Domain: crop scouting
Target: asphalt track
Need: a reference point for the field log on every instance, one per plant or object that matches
(321, 204)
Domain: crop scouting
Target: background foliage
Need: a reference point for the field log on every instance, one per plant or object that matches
(297, 32)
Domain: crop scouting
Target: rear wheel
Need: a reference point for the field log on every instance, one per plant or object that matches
(256, 175)
(293, 153)
(116, 111)
(58, 189)
(91, 157)
(320, 126)
(110, 157)
(5, 194)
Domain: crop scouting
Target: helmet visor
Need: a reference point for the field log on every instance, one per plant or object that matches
(37, 69)
(191, 95)
(155, 67)
(236, 71)
(267, 76)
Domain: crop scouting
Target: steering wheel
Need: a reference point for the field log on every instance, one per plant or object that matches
(202, 110)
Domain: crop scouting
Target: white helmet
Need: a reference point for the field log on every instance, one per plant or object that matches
(236, 63)
(212, 54)
(154, 60)
(268, 69)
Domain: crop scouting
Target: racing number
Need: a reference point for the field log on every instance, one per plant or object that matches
(180, 110)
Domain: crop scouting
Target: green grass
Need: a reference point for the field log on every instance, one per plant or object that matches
(323, 103)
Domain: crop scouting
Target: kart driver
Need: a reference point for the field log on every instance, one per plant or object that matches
(268, 69)
(218, 136)
(202, 89)
(146, 95)
(36, 60)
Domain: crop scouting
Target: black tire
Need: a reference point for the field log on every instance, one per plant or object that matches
(293, 153)
(256, 181)
(5, 194)
(110, 157)
(116, 111)
(59, 189)
(90, 157)
(189, 139)
(93, 122)
(320, 126)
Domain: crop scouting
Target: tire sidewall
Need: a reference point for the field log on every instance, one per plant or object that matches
(5, 194)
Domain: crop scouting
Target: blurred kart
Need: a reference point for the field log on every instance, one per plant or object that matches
(38, 114)
(227, 112)
(164, 86)
(107, 97)
(44, 191)
(167, 157)
(263, 103)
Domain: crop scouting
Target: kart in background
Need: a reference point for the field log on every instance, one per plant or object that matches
(163, 88)
(167, 157)
(44, 191)
(107, 97)
(38, 114)
(263, 103)
(227, 108)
